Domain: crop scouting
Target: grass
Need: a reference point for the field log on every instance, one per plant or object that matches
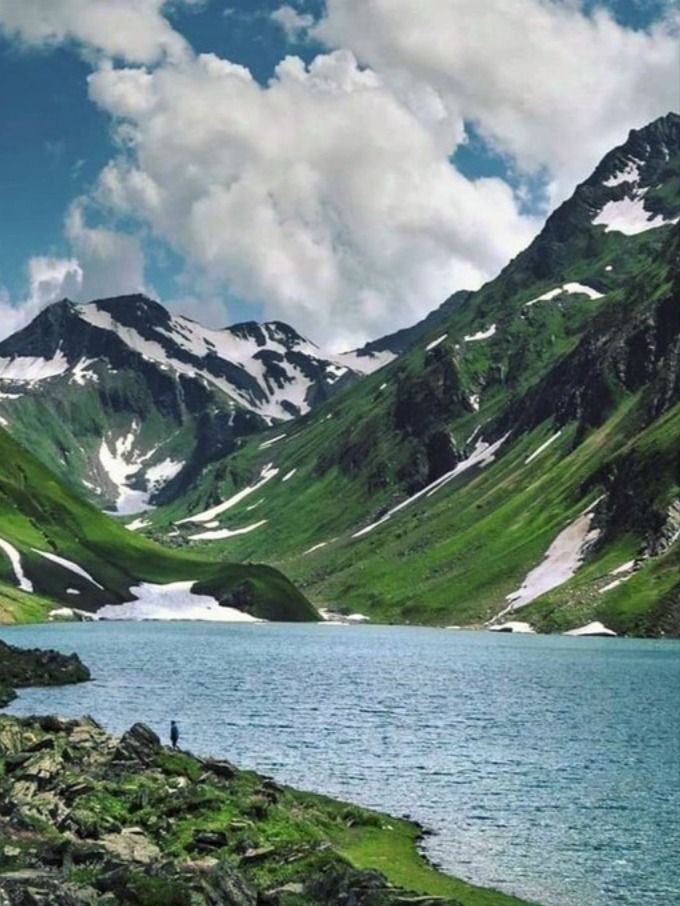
(38, 511)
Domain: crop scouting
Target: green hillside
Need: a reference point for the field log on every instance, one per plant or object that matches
(37, 513)
(575, 346)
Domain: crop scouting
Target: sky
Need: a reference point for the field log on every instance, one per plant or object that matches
(341, 165)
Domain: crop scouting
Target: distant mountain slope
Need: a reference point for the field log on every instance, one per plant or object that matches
(404, 339)
(522, 458)
(128, 403)
(57, 550)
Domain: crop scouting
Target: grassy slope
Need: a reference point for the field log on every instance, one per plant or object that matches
(452, 557)
(36, 511)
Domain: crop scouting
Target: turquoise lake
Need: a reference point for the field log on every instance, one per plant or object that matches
(548, 767)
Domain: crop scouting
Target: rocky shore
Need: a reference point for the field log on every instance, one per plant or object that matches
(88, 818)
(21, 667)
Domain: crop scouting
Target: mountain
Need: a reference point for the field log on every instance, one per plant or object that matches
(402, 340)
(522, 458)
(56, 550)
(129, 403)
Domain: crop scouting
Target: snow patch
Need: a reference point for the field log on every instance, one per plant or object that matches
(80, 374)
(137, 525)
(514, 626)
(222, 534)
(566, 289)
(159, 475)
(435, 343)
(626, 567)
(631, 173)
(562, 560)
(289, 475)
(482, 455)
(27, 369)
(592, 629)
(317, 547)
(615, 583)
(270, 443)
(69, 565)
(15, 561)
(121, 463)
(629, 216)
(268, 472)
(481, 335)
(175, 601)
(543, 447)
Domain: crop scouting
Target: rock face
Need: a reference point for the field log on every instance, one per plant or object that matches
(20, 668)
(89, 819)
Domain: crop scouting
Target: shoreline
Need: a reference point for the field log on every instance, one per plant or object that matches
(377, 856)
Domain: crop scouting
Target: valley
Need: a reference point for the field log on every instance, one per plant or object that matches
(516, 454)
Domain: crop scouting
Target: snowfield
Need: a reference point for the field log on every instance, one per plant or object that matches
(29, 369)
(629, 216)
(562, 560)
(174, 601)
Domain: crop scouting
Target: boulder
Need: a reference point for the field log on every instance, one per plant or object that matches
(139, 744)
(130, 845)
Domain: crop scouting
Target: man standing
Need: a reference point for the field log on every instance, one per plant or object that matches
(174, 733)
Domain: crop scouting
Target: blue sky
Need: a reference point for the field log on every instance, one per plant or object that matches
(55, 141)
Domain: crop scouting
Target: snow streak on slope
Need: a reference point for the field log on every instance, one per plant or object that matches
(69, 565)
(481, 335)
(482, 455)
(268, 472)
(223, 534)
(566, 289)
(174, 601)
(15, 561)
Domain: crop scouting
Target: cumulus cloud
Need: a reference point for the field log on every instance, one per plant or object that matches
(132, 30)
(48, 279)
(328, 196)
(321, 196)
(104, 263)
(294, 23)
(546, 83)
(111, 263)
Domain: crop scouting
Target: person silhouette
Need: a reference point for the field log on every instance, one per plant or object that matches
(174, 733)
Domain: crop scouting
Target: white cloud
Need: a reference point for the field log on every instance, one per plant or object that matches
(321, 196)
(49, 279)
(105, 263)
(546, 83)
(111, 263)
(294, 23)
(327, 197)
(133, 30)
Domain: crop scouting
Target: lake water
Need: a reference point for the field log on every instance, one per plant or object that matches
(549, 767)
